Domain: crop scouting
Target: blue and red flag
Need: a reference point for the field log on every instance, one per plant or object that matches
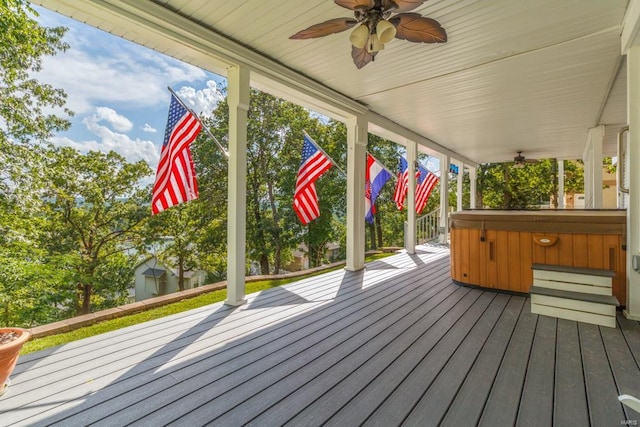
(375, 178)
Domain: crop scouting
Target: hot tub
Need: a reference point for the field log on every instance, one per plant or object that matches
(496, 248)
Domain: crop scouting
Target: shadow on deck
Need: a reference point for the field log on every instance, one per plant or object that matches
(397, 343)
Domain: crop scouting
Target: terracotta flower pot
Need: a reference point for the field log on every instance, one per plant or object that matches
(9, 354)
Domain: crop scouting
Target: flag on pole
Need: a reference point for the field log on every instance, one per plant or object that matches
(426, 181)
(375, 177)
(402, 183)
(314, 164)
(176, 176)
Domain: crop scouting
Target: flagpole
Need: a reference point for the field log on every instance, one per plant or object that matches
(206, 129)
(325, 153)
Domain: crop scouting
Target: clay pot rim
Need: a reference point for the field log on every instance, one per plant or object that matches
(25, 334)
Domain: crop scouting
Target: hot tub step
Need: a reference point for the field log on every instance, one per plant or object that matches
(578, 306)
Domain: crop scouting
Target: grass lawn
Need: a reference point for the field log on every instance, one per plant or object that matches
(155, 313)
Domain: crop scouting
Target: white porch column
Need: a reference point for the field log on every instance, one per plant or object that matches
(411, 238)
(356, 165)
(444, 199)
(560, 184)
(597, 139)
(633, 210)
(592, 158)
(473, 182)
(238, 99)
(459, 186)
(587, 159)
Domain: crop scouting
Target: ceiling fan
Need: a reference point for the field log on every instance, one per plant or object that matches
(520, 161)
(378, 22)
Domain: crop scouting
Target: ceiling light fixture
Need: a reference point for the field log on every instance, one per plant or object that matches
(378, 22)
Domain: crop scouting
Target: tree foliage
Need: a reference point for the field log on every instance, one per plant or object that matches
(96, 206)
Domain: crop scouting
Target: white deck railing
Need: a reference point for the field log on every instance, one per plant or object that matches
(426, 227)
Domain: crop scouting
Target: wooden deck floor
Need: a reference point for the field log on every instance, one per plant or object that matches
(398, 343)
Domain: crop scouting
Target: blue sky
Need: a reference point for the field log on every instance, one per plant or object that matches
(118, 90)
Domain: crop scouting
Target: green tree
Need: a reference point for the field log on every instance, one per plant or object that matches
(33, 284)
(96, 206)
(504, 186)
(178, 229)
(23, 45)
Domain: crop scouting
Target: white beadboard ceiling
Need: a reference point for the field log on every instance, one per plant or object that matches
(515, 75)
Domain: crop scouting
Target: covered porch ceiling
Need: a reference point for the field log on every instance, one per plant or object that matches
(513, 76)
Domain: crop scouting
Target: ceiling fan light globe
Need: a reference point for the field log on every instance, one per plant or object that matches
(385, 30)
(374, 44)
(359, 36)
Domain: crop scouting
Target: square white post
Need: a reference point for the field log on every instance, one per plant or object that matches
(411, 239)
(596, 135)
(459, 186)
(238, 99)
(356, 164)
(444, 199)
(473, 183)
(560, 184)
(633, 210)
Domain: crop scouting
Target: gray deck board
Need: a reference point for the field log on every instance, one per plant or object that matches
(570, 395)
(435, 401)
(470, 400)
(536, 404)
(405, 397)
(624, 367)
(604, 408)
(395, 344)
(502, 405)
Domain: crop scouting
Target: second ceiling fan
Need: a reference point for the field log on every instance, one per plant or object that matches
(378, 22)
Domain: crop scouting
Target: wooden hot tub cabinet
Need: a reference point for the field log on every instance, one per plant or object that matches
(496, 249)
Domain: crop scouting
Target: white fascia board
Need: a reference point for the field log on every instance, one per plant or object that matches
(631, 26)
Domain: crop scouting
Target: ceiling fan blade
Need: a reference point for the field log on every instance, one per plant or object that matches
(325, 28)
(361, 57)
(355, 4)
(401, 5)
(416, 28)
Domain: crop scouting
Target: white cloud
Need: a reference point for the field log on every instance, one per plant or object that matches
(99, 68)
(148, 128)
(117, 121)
(204, 101)
(108, 139)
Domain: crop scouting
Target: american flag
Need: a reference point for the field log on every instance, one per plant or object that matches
(176, 176)
(402, 183)
(314, 164)
(426, 181)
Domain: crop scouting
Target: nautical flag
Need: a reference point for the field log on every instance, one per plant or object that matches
(314, 164)
(176, 175)
(402, 183)
(426, 181)
(375, 177)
